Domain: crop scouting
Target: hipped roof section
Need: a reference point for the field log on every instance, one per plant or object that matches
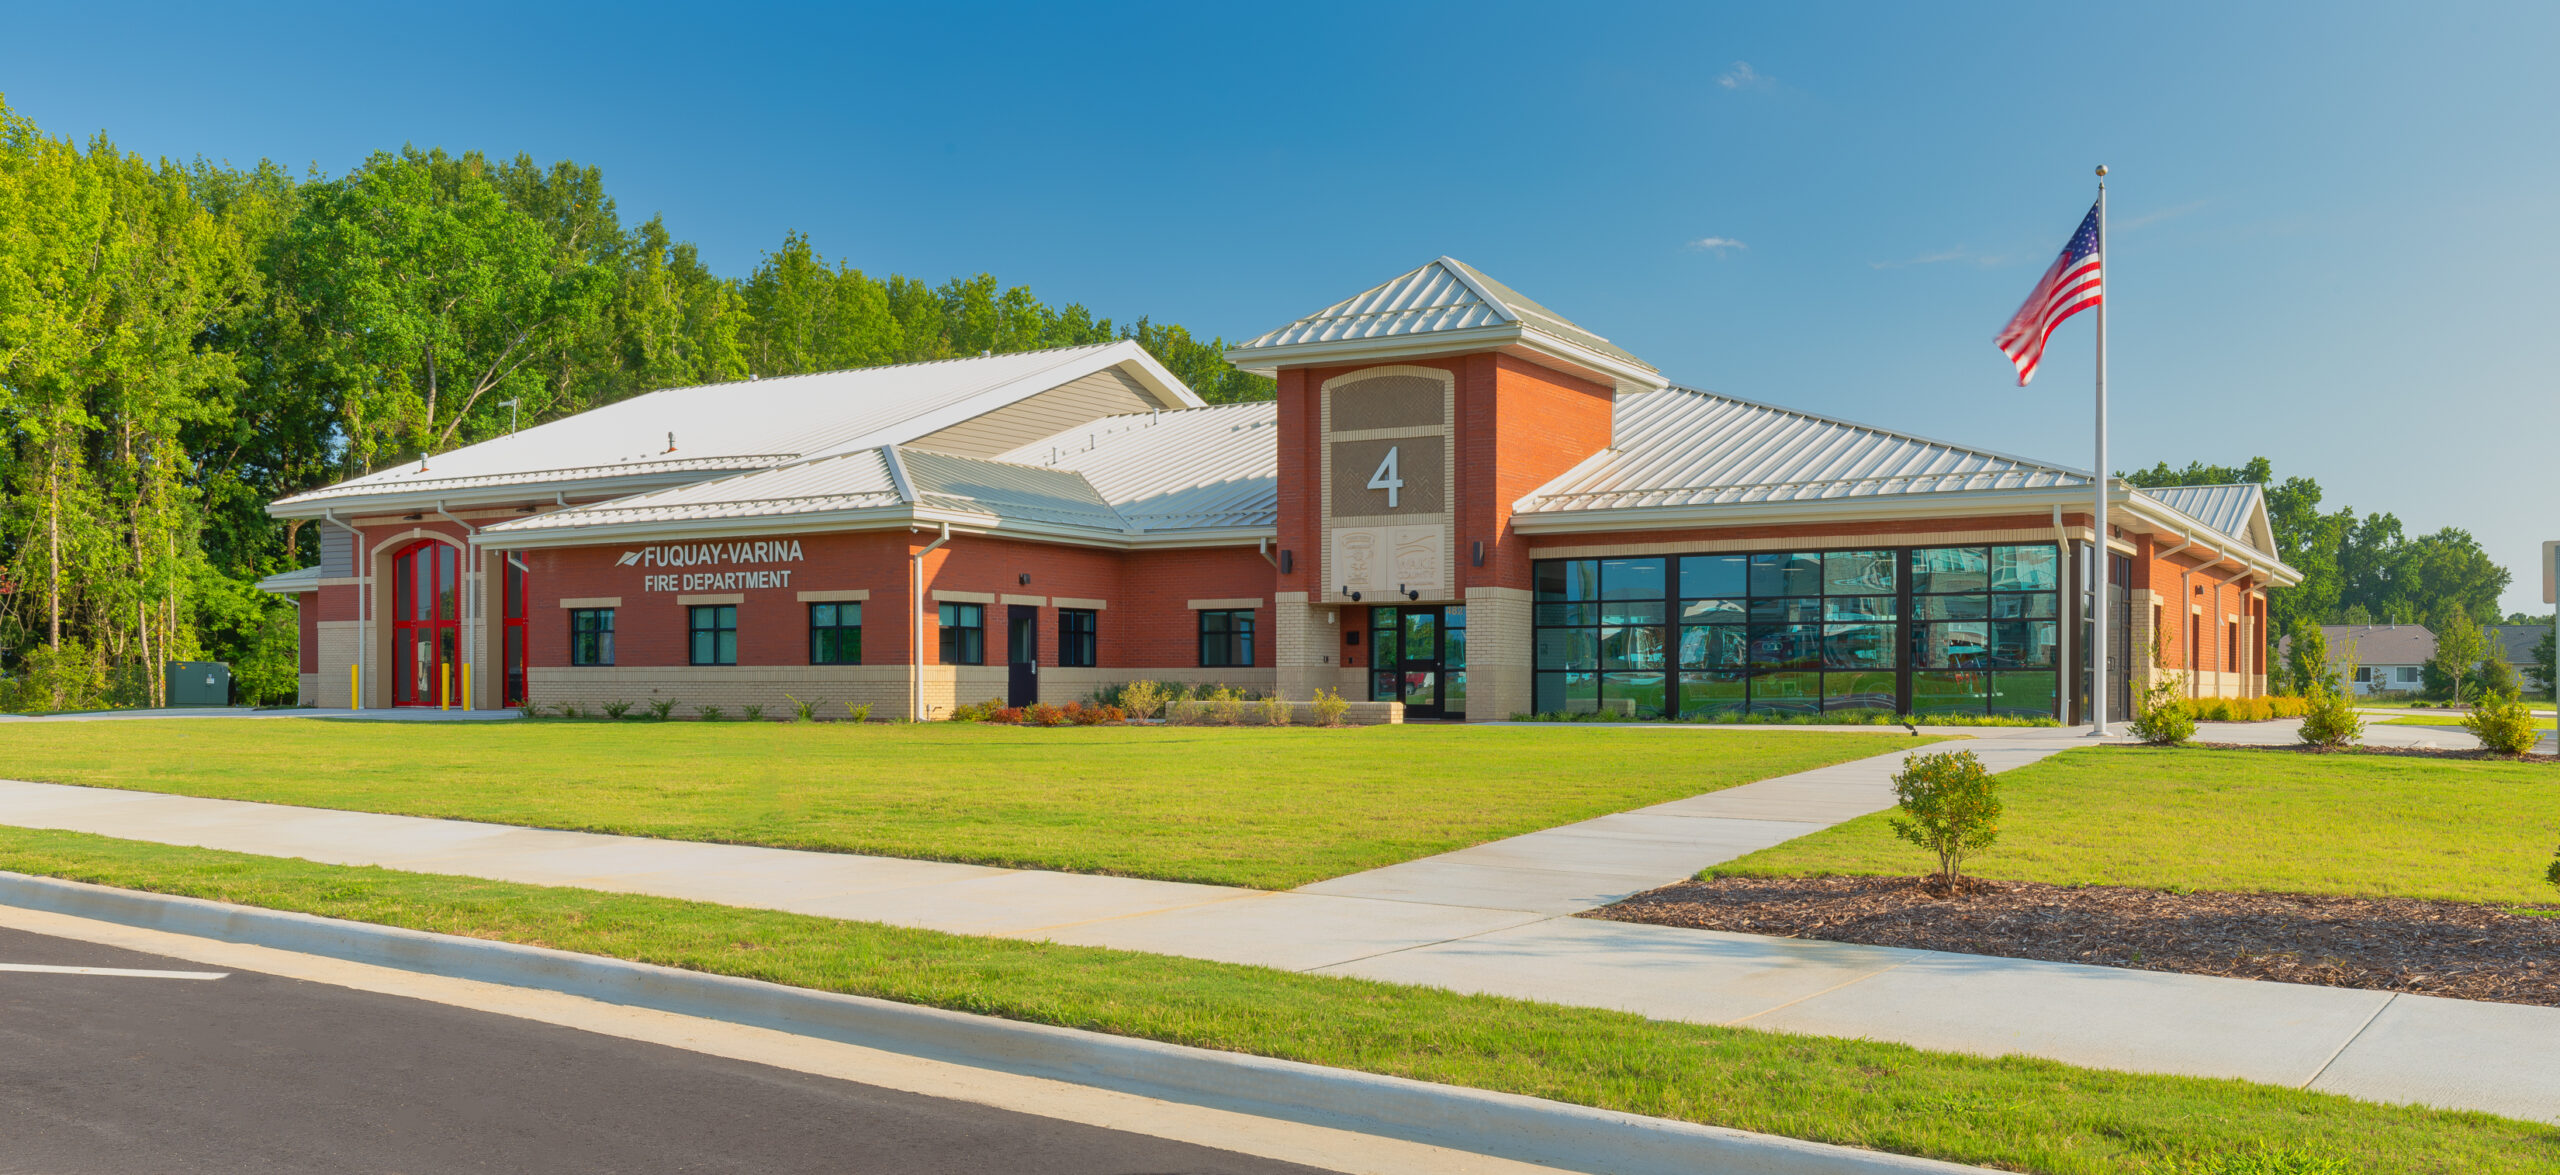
(1445, 306)
(1120, 478)
(684, 434)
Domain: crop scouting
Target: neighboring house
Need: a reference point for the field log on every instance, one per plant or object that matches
(2519, 641)
(2388, 658)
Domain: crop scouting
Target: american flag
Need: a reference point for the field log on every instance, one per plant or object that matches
(2075, 283)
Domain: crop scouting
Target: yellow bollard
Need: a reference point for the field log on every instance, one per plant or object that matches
(444, 680)
(466, 685)
(355, 697)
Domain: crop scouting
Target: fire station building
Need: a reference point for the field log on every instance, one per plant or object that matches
(1459, 502)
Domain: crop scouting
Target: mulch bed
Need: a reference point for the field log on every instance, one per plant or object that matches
(2463, 950)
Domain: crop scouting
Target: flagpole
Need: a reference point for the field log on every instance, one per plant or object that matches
(2098, 554)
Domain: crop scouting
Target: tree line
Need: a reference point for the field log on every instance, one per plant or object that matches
(2366, 569)
(182, 342)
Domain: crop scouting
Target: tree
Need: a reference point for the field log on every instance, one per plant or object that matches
(2496, 674)
(2458, 651)
(2307, 660)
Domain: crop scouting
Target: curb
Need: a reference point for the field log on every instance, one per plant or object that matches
(1509, 1126)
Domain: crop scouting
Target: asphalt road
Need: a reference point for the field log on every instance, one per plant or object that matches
(257, 1073)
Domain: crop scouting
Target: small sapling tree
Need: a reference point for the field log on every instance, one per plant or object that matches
(2163, 719)
(1950, 807)
(2458, 650)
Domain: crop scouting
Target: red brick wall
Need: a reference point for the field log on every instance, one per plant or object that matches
(1148, 622)
(1532, 426)
(1300, 514)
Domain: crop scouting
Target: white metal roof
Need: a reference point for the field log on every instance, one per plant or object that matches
(287, 583)
(2236, 510)
(749, 424)
(1444, 301)
(1195, 469)
(1684, 447)
(1207, 467)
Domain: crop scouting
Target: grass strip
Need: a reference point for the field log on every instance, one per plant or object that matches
(2012, 1113)
(2188, 818)
(1268, 808)
(2446, 720)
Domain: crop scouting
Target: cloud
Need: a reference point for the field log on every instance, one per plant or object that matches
(1743, 77)
(2148, 218)
(1939, 257)
(1716, 244)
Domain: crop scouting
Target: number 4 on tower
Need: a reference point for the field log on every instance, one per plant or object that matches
(1386, 478)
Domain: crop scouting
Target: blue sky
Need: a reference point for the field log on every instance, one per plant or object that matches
(2331, 222)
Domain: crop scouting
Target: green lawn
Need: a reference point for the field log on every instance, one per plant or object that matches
(2016, 1113)
(2368, 825)
(1238, 806)
(2445, 720)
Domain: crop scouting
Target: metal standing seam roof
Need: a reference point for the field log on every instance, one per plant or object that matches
(744, 424)
(1685, 447)
(1190, 469)
(1444, 295)
(2231, 509)
(1216, 467)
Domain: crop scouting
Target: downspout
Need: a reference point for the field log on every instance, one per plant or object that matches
(364, 599)
(2247, 566)
(471, 565)
(915, 627)
(1262, 547)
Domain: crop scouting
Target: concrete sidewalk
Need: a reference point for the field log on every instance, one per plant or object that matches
(1496, 919)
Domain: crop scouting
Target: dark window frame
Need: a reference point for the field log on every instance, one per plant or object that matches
(1229, 635)
(820, 645)
(963, 633)
(591, 622)
(695, 630)
(1079, 638)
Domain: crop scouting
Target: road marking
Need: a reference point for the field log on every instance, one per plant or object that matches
(127, 972)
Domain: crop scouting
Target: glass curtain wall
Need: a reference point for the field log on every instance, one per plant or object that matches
(1900, 629)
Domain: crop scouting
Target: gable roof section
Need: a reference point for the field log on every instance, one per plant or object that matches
(1126, 478)
(1684, 447)
(2239, 511)
(1446, 305)
(2380, 644)
(743, 425)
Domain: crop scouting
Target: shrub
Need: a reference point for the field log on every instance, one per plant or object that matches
(566, 710)
(1329, 707)
(2503, 724)
(2332, 721)
(860, 713)
(1950, 806)
(1044, 714)
(1275, 711)
(2246, 709)
(2162, 719)
(1084, 715)
(1142, 699)
(615, 710)
(1004, 716)
(660, 708)
(711, 713)
(1111, 715)
(800, 710)
(1226, 707)
(2551, 873)
(751, 713)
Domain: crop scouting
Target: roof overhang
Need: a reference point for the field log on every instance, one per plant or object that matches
(578, 484)
(899, 517)
(1519, 339)
(291, 583)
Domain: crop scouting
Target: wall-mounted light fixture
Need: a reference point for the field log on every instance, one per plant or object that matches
(1287, 561)
(1346, 590)
(1351, 636)
(1408, 593)
(1479, 552)
(1025, 579)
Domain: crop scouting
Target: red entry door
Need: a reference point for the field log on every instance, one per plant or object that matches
(515, 638)
(426, 626)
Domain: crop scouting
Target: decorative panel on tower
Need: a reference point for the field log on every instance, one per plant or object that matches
(1388, 455)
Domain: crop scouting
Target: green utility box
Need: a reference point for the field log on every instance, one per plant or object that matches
(199, 683)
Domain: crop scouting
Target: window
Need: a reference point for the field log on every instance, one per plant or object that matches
(2408, 675)
(714, 628)
(2231, 648)
(964, 634)
(1954, 628)
(1226, 639)
(2364, 674)
(835, 634)
(1076, 644)
(591, 636)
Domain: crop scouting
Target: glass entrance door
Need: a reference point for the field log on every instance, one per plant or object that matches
(1419, 658)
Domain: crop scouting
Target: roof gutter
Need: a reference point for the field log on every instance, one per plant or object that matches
(915, 628)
